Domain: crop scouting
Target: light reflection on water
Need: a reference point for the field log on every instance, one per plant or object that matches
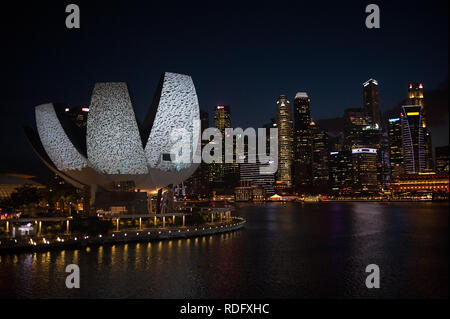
(286, 250)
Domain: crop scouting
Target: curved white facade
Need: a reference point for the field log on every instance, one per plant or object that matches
(177, 110)
(55, 140)
(113, 141)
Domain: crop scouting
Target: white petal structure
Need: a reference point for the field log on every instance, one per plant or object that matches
(114, 147)
(55, 140)
(177, 111)
(113, 141)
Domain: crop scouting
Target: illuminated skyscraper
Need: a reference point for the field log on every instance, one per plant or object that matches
(415, 97)
(365, 170)
(320, 153)
(371, 101)
(395, 147)
(355, 120)
(340, 172)
(385, 163)
(413, 139)
(302, 143)
(363, 140)
(415, 94)
(222, 118)
(199, 181)
(217, 171)
(285, 140)
(442, 159)
(225, 175)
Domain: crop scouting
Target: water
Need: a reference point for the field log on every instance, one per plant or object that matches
(287, 250)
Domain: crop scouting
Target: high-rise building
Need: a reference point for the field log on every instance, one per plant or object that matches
(227, 173)
(395, 147)
(285, 140)
(415, 97)
(302, 143)
(320, 153)
(415, 94)
(355, 120)
(222, 120)
(385, 162)
(372, 139)
(365, 170)
(199, 181)
(413, 139)
(250, 172)
(442, 159)
(340, 172)
(371, 101)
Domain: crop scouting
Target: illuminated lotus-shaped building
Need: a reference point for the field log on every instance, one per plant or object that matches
(113, 146)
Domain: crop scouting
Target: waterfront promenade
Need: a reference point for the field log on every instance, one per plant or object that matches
(118, 237)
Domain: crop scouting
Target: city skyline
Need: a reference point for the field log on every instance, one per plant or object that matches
(245, 61)
(228, 157)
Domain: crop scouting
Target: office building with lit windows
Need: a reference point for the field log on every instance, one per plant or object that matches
(340, 168)
(285, 143)
(413, 139)
(395, 147)
(302, 143)
(426, 185)
(355, 120)
(365, 170)
(224, 174)
(442, 159)
(371, 101)
(320, 153)
(415, 96)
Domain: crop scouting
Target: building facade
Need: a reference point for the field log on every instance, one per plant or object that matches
(415, 96)
(340, 172)
(413, 143)
(285, 143)
(395, 147)
(371, 101)
(442, 159)
(365, 170)
(355, 120)
(320, 153)
(303, 140)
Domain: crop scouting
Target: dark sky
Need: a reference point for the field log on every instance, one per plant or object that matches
(244, 54)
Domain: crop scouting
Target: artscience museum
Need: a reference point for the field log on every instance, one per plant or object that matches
(111, 146)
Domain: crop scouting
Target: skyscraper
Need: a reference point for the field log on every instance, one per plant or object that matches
(302, 143)
(340, 172)
(199, 181)
(395, 147)
(222, 120)
(355, 120)
(413, 139)
(362, 139)
(285, 140)
(365, 170)
(320, 153)
(228, 173)
(385, 163)
(371, 101)
(415, 96)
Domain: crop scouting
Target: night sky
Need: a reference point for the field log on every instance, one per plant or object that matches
(242, 54)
